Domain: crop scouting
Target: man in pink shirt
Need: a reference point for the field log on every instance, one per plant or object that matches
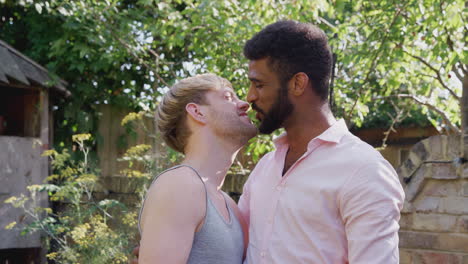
(323, 196)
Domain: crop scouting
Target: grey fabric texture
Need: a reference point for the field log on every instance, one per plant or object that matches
(217, 241)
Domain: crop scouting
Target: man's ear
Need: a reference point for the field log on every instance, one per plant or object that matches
(195, 112)
(299, 83)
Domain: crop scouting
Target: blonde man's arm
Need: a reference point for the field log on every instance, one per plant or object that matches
(174, 210)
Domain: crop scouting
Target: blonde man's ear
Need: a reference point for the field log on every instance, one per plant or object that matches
(195, 112)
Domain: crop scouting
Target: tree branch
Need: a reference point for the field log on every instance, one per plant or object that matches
(439, 77)
(462, 67)
(323, 20)
(427, 75)
(455, 70)
(129, 49)
(374, 60)
(444, 116)
(401, 115)
(140, 60)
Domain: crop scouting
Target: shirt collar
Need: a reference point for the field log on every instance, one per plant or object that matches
(332, 134)
(280, 140)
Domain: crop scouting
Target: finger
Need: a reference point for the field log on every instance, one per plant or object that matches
(136, 251)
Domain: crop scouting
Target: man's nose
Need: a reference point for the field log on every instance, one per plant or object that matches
(251, 95)
(243, 105)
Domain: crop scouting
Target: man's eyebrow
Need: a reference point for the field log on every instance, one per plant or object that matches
(254, 79)
(229, 90)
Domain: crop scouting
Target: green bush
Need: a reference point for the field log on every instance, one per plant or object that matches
(80, 229)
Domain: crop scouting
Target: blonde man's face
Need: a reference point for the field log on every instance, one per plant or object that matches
(227, 115)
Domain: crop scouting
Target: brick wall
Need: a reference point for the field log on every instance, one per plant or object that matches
(434, 220)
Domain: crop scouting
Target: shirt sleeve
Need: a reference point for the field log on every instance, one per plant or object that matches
(370, 207)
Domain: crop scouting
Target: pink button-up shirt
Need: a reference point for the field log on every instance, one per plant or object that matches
(339, 203)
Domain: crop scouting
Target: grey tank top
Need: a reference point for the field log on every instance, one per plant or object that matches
(217, 241)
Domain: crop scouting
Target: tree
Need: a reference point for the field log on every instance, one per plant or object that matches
(411, 51)
(128, 52)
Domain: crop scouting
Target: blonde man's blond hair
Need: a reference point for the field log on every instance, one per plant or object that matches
(171, 114)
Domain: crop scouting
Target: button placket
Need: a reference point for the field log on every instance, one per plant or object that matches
(269, 227)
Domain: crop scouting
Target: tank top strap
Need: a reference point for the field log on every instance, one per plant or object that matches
(209, 201)
(176, 167)
(188, 166)
(225, 196)
(173, 168)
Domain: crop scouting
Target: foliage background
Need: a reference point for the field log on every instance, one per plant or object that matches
(79, 227)
(394, 59)
(397, 62)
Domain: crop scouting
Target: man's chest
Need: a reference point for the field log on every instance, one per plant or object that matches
(305, 193)
(290, 160)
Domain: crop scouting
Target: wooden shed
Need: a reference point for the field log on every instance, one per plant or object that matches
(26, 92)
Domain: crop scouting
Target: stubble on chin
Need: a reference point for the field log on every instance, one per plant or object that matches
(230, 126)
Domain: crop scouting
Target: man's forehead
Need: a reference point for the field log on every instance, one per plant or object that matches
(226, 88)
(222, 89)
(258, 69)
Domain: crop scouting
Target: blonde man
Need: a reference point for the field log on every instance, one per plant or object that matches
(186, 218)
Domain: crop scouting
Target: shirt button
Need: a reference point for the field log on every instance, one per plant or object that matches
(262, 254)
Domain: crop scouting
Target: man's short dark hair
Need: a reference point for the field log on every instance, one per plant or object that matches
(294, 47)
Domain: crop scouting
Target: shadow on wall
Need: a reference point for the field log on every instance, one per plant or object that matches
(20, 255)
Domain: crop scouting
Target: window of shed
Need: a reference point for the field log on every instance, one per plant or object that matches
(19, 112)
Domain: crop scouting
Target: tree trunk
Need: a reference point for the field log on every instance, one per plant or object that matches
(464, 105)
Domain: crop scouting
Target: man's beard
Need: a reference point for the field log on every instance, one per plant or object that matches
(278, 113)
